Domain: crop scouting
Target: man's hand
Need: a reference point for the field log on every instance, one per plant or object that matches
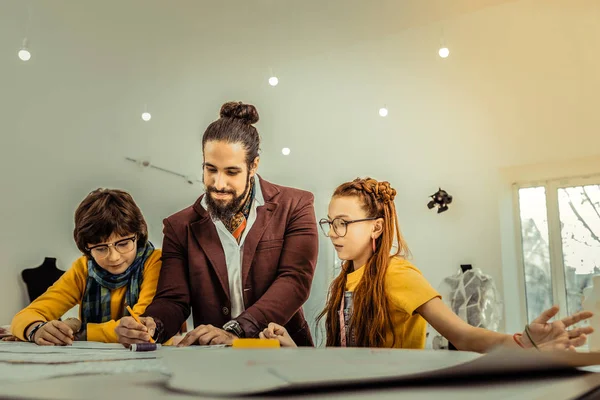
(274, 331)
(207, 335)
(554, 335)
(129, 331)
(53, 333)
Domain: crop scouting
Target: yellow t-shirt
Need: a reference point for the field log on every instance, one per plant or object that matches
(407, 290)
(68, 291)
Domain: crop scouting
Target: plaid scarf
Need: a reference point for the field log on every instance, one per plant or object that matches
(95, 305)
(238, 222)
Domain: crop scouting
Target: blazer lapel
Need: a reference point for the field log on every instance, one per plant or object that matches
(206, 235)
(263, 217)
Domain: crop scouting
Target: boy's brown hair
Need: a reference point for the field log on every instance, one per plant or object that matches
(107, 211)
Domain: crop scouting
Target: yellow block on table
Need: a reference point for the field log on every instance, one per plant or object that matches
(255, 343)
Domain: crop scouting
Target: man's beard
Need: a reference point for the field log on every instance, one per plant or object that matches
(224, 210)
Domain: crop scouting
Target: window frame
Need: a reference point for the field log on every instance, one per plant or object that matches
(557, 268)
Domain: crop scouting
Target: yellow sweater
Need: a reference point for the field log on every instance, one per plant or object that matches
(68, 291)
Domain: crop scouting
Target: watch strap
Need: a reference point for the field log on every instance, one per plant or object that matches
(234, 327)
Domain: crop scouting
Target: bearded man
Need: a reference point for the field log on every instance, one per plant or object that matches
(242, 256)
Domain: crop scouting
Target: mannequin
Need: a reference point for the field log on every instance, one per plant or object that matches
(39, 279)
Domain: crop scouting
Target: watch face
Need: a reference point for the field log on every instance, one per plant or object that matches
(230, 326)
(233, 327)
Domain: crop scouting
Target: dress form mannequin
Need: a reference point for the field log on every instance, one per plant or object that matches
(39, 279)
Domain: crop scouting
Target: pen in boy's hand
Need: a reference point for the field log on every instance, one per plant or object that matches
(137, 319)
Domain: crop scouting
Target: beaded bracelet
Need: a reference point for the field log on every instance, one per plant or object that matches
(34, 330)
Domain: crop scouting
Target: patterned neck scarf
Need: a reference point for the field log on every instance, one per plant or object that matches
(95, 305)
(238, 222)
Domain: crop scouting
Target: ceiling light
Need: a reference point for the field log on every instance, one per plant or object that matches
(24, 53)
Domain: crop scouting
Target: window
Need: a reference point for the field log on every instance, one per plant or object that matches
(560, 242)
(536, 250)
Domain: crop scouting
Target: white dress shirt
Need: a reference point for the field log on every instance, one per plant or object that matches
(234, 251)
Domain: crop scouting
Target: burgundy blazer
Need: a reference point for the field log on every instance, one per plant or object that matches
(280, 254)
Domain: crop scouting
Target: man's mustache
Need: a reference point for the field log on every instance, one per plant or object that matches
(211, 189)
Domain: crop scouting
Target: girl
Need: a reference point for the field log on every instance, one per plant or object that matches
(119, 267)
(380, 300)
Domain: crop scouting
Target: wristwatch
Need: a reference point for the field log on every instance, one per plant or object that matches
(234, 327)
(158, 331)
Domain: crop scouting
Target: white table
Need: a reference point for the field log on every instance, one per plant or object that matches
(151, 385)
(148, 386)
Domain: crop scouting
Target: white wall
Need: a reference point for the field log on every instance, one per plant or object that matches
(518, 88)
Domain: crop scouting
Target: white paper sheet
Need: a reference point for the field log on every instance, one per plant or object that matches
(22, 361)
(21, 352)
(260, 371)
(73, 357)
(256, 371)
(33, 348)
(32, 372)
(97, 346)
(194, 348)
(26, 347)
